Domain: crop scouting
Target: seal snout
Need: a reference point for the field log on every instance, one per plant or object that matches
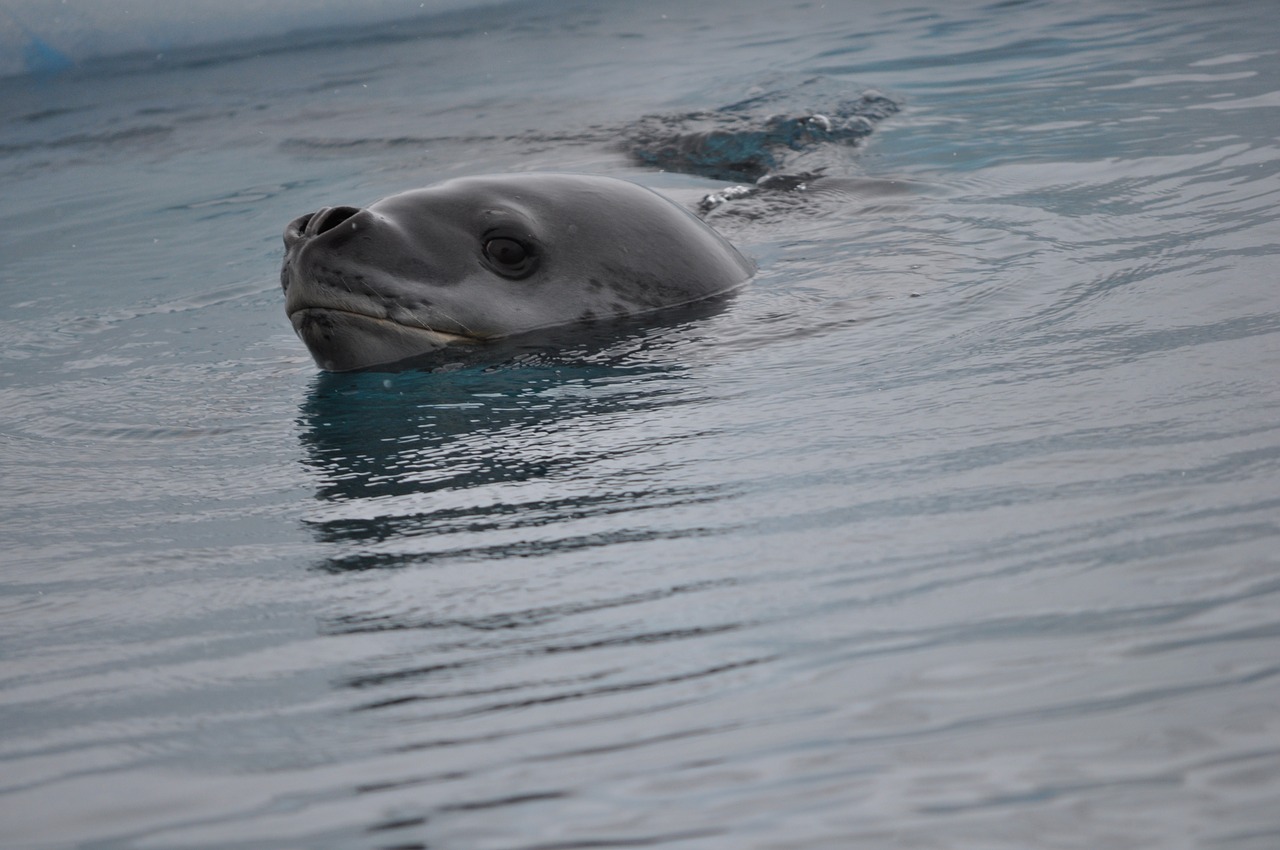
(313, 224)
(327, 219)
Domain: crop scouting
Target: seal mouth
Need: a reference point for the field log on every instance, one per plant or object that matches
(344, 341)
(304, 315)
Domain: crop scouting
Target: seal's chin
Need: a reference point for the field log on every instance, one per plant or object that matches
(341, 341)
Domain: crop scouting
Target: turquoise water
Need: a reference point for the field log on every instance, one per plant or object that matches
(956, 528)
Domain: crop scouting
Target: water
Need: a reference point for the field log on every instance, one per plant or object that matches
(957, 528)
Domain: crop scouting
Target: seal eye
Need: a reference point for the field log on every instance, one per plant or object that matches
(509, 257)
(505, 252)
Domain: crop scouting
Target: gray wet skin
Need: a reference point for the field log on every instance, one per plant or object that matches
(482, 258)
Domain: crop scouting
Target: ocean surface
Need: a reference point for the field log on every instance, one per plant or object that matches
(959, 527)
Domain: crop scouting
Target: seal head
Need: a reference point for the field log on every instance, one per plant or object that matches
(481, 258)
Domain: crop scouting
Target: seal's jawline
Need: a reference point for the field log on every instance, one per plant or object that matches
(436, 335)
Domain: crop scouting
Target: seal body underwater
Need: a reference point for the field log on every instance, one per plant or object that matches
(482, 258)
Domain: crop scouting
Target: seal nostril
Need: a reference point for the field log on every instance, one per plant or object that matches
(296, 231)
(327, 219)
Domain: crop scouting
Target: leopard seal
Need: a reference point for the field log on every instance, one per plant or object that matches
(482, 258)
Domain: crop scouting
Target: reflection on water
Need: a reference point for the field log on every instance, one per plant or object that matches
(468, 456)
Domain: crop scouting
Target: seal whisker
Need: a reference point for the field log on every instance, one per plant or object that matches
(453, 319)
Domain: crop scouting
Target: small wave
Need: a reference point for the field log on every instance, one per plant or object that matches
(132, 135)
